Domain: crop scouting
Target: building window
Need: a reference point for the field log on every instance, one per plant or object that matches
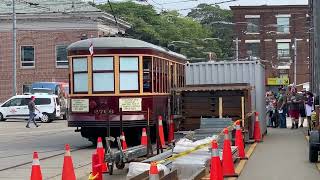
(253, 49)
(80, 75)
(283, 24)
(129, 73)
(27, 56)
(253, 25)
(103, 74)
(61, 56)
(26, 88)
(283, 50)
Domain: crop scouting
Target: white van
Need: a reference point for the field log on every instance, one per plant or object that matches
(17, 107)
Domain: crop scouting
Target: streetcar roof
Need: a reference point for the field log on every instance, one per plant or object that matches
(119, 43)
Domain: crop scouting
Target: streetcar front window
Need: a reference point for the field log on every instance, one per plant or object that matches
(129, 73)
(103, 74)
(80, 75)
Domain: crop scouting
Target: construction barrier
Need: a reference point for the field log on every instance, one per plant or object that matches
(218, 168)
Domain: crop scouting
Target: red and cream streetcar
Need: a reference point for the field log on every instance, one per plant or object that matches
(122, 73)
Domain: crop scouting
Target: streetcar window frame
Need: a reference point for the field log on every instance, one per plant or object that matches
(79, 72)
(129, 71)
(147, 74)
(107, 71)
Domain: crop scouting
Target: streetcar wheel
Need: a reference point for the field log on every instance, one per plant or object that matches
(120, 165)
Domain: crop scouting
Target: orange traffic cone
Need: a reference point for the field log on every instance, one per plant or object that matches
(123, 140)
(96, 168)
(216, 169)
(257, 132)
(161, 134)
(36, 170)
(144, 138)
(153, 173)
(100, 152)
(227, 160)
(239, 141)
(171, 130)
(68, 170)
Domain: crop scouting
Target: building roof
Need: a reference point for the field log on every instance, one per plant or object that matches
(46, 6)
(119, 43)
(214, 87)
(269, 7)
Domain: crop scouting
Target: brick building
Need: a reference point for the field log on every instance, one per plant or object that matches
(44, 30)
(268, 33)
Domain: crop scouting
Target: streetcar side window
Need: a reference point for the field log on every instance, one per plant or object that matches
(129, 74)
(103, 74)
(147, 74)
(80, 75)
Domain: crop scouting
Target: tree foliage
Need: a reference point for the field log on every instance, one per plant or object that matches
(170, 29)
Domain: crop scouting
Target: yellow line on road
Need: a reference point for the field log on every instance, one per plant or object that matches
(307, 137)
(251, 149)
(242, 163)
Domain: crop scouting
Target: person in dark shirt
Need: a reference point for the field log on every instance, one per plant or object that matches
(281, 105)
(294, 102)
(32, 107)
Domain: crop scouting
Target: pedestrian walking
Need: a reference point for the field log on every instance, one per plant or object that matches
(282, 106)
(32, 107)
(309, 108)
(270, 107)
(302, 107)
(294, 104)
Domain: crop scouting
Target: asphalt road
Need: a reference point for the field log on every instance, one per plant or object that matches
(18, 143)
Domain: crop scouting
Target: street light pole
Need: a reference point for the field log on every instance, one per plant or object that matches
(237, 49)
(295, 61)
(14, 47)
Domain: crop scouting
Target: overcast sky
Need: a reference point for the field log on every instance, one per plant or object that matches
(188, 4)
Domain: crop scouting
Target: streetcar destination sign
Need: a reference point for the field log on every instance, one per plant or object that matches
(80, 105)
(130, 104)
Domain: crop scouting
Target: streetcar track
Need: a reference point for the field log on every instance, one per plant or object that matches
(24, 154)
(84, 165)
(32, 137)
(42, 159)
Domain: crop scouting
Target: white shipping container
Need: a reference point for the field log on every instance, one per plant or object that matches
(231, 72)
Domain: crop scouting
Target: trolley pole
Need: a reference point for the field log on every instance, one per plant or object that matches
(14, 47)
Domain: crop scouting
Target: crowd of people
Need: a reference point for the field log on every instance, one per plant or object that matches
(287, 102)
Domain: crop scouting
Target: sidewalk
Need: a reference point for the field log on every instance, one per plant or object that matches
(282, 155)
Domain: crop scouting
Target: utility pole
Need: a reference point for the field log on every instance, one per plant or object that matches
(237, 49)
(295, 61)
(14, 47)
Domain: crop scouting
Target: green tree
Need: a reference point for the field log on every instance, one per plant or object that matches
(219, 22)
(168, 29)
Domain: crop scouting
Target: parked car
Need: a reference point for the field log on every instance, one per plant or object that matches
(60, 89)
(17, 107)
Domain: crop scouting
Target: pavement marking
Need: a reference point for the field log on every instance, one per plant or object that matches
(251, 149)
